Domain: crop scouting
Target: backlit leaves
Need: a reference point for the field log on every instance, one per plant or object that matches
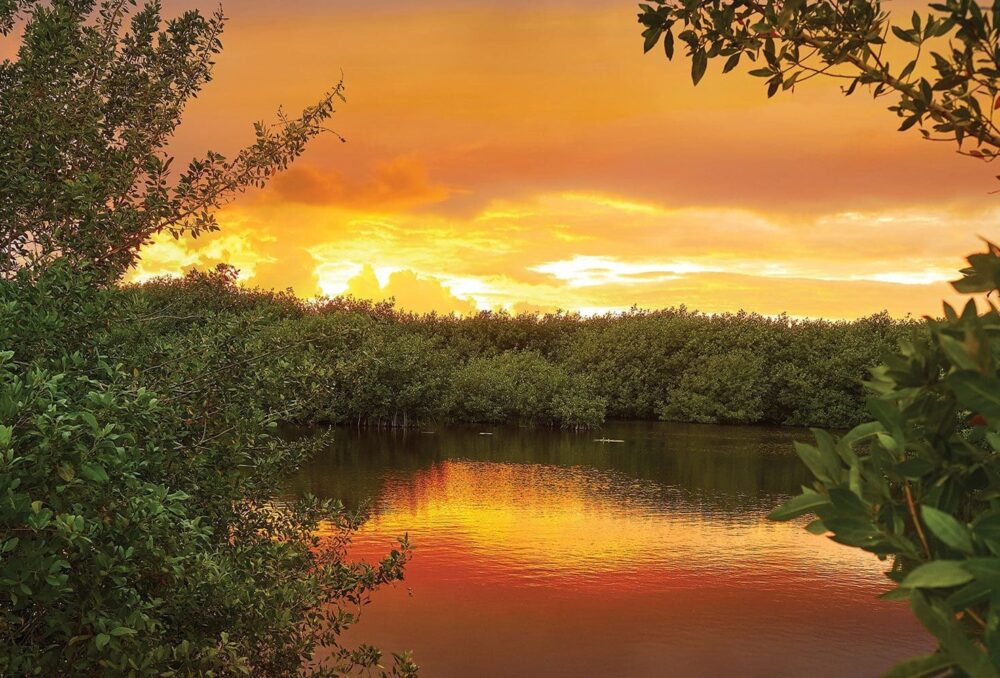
(791, 42)
(85, 174)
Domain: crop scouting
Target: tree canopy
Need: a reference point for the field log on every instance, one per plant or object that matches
(139, 528)
(87, 110)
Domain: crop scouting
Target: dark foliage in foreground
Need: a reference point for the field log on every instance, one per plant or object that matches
(139, 530)
(920, 485)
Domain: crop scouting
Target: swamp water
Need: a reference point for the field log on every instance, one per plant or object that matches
(546, 553)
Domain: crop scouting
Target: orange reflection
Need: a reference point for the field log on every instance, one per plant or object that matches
(535, 569)
(561, 526)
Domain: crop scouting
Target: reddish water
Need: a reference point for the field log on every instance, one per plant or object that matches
(549, 554)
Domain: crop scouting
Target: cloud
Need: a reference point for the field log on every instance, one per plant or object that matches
(393, 185)
(410, 290)
(171, 257)
(588, 271)
(581, 250)
(496, 159)
(165, 257)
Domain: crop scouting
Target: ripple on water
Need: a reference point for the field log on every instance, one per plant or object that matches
(546, 554)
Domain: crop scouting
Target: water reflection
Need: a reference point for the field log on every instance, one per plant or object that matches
(546, 553)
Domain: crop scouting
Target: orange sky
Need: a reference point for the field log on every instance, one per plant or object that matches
(526, 155)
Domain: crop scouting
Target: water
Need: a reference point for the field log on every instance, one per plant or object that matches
(541, 553)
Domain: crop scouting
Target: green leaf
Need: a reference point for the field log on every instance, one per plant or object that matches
(668, 44)
(91, 420)
(816, 461)
(849, 504)
(920, 667)
(957, 353)
(977, 392)
(862, 431)
(985, 570)
(987, 526)
(953, 640)
(95, 472)
(699, 62)
(896, 594)
(907, 70)
(903, 34)
(807, 502)
(914, 468)
(101, 640)
(652, 36)
(828, 452)
(817, 527)
(970, 594)
(909, 122)
(947, 529)
(122, 631)
(937, 574)
(66, 472)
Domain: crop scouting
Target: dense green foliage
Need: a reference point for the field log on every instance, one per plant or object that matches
(138, 530)
(921, 483)
(352, 362)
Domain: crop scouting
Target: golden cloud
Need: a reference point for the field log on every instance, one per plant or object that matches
(393, 185)
(410, 290)
(593, 253)
(496, 159)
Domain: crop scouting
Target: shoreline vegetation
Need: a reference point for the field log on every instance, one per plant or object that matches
(139, 460)
(351, 362)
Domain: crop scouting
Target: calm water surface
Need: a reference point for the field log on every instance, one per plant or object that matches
(542, 553)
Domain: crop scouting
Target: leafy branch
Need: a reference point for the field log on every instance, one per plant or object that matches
(950, 98)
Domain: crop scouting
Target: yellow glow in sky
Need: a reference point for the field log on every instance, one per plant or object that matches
(527, 156)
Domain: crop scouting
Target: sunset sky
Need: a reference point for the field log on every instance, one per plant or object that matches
(526, 155)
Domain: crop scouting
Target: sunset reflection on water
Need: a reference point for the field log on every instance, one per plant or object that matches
(541, 553)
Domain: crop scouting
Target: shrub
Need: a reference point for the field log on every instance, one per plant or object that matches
(344, 361)
(523, 386)
(139, 531)
(920, 484)
(723, 388)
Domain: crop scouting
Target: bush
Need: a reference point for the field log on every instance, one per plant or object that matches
(723, 388)
(523, 386)
(344, 361)
(920, 484)
(139, 531)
